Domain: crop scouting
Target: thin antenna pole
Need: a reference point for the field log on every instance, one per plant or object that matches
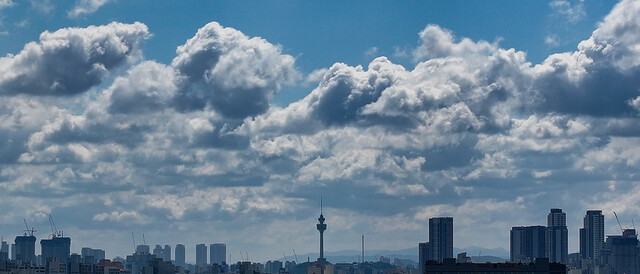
(134, 242)
(321, 205)
(362, 248)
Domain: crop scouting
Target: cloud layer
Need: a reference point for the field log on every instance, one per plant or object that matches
(471, 128)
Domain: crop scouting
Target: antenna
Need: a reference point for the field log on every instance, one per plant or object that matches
(621, 230)
(633, 223)
(320, 204)
(144, 241)
(134, 242)
(363, 248)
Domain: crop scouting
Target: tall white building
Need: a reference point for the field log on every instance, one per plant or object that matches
(218, 253)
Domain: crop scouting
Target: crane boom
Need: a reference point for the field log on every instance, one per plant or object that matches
(621, 230)
(295, 255)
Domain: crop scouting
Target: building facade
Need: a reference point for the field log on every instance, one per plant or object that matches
(56, 247)
(201, 255)
(180, 256)
(441, 238)
(592, 236)
(218, 253)
(25, 249)
(557, 247)
(527, 243)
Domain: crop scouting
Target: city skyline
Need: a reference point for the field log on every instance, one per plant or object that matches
(202, 122)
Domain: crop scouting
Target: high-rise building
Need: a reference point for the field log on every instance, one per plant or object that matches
(25, 249)
(13, 252)
(592, 236)
(56, 247)
(201, 255)
(166, 253)
(441, 238)
(218, 252)
(557, 249)
(143, 249)
(157, 251)
(622, 252)
(424, 254)
(4, 247)
(528, 243)
(92, 256)
(180, 255)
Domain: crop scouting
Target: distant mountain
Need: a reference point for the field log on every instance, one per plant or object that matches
(477, 254)
(480, 251)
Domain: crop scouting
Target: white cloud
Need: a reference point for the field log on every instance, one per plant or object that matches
(71, 60)
(86, 7)
(6, 3)
(573, 13)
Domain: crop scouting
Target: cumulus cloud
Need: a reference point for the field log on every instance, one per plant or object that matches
(71, 60)
(6, 3)
(470, 128)
(234, 74)
(573, 12)
(85, 7)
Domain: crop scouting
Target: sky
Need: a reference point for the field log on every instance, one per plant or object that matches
(226, 121)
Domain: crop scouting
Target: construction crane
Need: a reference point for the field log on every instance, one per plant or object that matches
(614, 214)
(54, 229)
(285, 256)
(28, 232)
(295, 255)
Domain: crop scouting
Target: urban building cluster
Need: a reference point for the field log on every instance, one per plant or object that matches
(56, 258)
(533, 249)
(613, 254)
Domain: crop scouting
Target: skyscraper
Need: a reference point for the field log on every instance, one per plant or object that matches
(4, 247)
(441, 238)
(179, 261)
(557, 249)
(424, 254)
(25, 249)
(592, 236)
(528, 243)
(218, 252)
(623, 251)
(56, 247)
(166, 253)
(201, 255)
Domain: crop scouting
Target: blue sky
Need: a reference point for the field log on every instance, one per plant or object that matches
(224, 121)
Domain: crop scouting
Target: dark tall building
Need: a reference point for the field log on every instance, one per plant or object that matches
(25, 249)
(56, 247)
(424, 254)
(179, 261)
(201, 255)
(217, 253)
(449, 265)
(592, 236)
(622, 252)
(441, 238)
(557, 249)
(528, 243)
